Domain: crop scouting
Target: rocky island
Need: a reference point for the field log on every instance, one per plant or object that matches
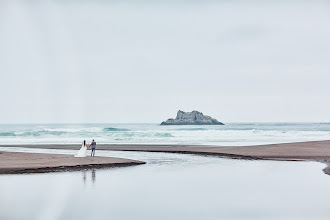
(191, 118)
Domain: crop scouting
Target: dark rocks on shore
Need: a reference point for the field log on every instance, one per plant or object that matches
(191, 118)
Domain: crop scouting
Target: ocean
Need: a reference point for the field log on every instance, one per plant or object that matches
(231, 134)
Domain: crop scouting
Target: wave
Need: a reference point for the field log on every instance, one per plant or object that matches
(231, 134)
(115, 129)
(31, 133)
(40, 132)
(191, 129)
(163, 135)
(5, 134)
(73, 130)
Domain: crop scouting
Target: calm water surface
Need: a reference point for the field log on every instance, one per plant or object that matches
(170, 186)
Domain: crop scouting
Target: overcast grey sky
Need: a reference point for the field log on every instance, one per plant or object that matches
(141, 61)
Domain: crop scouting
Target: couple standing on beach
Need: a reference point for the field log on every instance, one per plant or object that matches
(83, 150)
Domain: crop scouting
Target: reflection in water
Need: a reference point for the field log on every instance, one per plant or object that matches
(172, 186)
(93, 174)
(84, 175)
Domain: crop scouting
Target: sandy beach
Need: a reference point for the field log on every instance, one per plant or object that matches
(310, 151)
(14, 163)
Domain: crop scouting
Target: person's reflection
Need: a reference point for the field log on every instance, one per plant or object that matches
(84, 176)
(93, 175)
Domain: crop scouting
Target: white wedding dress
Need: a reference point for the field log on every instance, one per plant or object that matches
(82, 152)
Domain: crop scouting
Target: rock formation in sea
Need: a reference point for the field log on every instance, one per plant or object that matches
(191, 118)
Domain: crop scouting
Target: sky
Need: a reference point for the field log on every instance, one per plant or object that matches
(98, 61)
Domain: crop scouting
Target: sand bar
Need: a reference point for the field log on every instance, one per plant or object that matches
(14, 163)
(299, 150)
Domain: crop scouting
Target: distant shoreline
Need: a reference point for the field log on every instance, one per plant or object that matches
(318, 151)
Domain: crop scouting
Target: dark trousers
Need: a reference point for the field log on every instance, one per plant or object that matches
(93, 152)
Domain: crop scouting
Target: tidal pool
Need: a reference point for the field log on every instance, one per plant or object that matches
(170, 186)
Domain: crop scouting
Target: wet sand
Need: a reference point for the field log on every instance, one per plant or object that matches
(15, 163)
(311, 151)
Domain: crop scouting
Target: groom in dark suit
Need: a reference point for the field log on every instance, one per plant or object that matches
(93, 145)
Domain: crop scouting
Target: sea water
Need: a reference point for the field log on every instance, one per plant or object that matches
(170, 186)
(231, 134)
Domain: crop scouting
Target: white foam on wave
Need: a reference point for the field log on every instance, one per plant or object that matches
(232, 135)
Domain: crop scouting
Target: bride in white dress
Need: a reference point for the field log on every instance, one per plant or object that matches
(83, 151)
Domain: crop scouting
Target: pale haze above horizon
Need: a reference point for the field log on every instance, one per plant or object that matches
(98, 61)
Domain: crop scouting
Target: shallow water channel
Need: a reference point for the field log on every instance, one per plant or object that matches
(170, 186)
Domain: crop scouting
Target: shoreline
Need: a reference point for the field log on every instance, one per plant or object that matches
(27, 163)
(318, 151)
